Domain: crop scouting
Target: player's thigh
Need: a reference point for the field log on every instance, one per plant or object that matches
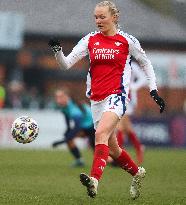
(122, 124)
(125, 124)
(128, 127)
(106, 126)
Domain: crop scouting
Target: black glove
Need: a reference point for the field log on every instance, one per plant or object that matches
(54, 45)
(158, 100)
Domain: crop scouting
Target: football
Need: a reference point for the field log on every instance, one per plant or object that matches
(24, 129)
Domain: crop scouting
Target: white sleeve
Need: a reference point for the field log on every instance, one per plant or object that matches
(78, 52)
(88, 82)
(138, 77)
(139, 54)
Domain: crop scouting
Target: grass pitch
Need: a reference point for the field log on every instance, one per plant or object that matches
(45, 177)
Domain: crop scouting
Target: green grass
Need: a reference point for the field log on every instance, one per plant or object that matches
(44, 177)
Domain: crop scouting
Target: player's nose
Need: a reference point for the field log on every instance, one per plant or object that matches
(98, 21)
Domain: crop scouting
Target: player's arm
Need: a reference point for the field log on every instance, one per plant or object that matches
(78, 52)
(88, 83)
(139, 75)
(139, 54)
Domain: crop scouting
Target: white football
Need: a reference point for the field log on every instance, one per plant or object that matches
(24, 129)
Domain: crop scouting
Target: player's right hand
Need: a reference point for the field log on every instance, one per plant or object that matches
(54, 45)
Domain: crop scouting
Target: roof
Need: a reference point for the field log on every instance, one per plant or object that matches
(75, 17)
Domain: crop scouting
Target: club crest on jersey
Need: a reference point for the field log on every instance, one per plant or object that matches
(96, 44)
(118, 43)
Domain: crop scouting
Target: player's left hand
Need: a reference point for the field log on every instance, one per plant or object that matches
(158, 100)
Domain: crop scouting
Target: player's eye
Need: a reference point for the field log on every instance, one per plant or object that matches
(102, 17)
(99, 17)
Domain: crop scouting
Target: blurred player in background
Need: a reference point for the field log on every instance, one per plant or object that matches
(79, 122)
(110, 51)
(124, 127)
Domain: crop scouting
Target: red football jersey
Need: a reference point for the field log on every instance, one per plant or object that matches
(110, 58)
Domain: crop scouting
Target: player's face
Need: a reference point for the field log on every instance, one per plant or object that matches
(61, 98)
(105, 21)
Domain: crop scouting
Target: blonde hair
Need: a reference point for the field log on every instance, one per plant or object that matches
(112, 8)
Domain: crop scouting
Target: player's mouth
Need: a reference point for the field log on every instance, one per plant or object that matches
(100, 26)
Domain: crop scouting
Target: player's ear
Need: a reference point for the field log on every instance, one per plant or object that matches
(115, 18)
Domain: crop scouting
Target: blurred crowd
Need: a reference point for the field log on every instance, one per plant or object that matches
(15, 94)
